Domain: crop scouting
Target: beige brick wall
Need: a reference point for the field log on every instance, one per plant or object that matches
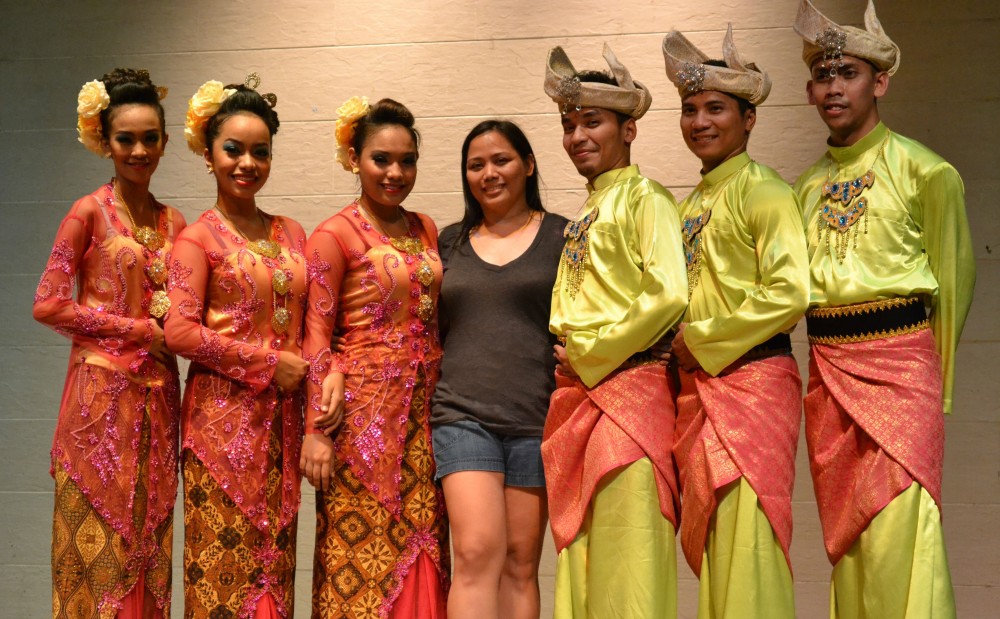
(454, 63)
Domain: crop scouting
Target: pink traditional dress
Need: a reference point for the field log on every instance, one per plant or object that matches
(382, 533)
(236, 305)
(114, 453)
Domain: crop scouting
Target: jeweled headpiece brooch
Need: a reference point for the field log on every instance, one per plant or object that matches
(691, 78)
(686, 68)
(832, 42)
(563, 85)
(348, 115)
(829, 41)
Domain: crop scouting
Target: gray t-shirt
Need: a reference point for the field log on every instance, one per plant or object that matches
(498, 368)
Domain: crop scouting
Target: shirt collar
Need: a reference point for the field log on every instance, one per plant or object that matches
(726, 169)
(611, 177)
(873, 139)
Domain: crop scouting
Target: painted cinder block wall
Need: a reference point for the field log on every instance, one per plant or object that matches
(455, 63)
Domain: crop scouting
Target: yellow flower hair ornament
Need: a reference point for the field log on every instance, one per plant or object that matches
(92, 100)
(202, 106)
(348, 115)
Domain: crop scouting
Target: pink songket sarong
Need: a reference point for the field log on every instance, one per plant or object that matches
(591, 432)
(742, 423)
(874, 423)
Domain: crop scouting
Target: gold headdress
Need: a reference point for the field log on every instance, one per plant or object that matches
(566, 89)
(686, 68)
(824, 39)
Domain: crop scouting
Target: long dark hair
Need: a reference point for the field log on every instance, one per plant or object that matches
(473, 210)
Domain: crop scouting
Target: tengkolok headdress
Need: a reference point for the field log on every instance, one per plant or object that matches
(824, 39)
(566, 89)
(686, 68)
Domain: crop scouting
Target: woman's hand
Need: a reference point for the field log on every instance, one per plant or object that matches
(663, 348)
(331, 405)
(562, 361)
(316, 462)
(683, 355)
(290, 371)
(158, 347)
(337, 342)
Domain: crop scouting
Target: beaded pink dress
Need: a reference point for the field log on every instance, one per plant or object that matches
(114, 452)
(382, 533)
(233, 309)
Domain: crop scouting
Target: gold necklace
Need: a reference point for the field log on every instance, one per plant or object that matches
(375, 221)
(144, 235)
(576, 252)
(156, 269)
(531, 218)
(281, 279)
(262, 247)
(413, 247)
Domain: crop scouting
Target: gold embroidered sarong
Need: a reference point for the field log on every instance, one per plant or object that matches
(874, 423)
(591, 432)
(742, 423)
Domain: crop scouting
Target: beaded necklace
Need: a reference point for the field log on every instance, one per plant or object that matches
(153, 242)
(414, 249)
(845, 207)
(281, 279)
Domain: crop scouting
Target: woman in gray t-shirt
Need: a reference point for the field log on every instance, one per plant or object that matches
(489, 406)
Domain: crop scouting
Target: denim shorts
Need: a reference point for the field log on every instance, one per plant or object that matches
(466, 446)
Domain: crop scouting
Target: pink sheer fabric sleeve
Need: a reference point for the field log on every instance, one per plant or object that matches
(327, 263)
(109, 329)
(247, 361)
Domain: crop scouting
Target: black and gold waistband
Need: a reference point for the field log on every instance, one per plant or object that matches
(863, 322)
(780, 344)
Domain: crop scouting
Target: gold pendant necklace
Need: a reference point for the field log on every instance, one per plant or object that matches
(281, 279)
(845, 206)
(691, 232)
(156, 269)
(413, 247)
(576, 252)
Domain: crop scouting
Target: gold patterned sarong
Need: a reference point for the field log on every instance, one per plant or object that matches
(742, 423)
(874, 423)
(366, 558)
(591, 432)
(93, 567)
(230, 564)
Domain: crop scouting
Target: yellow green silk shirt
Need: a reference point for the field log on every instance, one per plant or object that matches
(634, 286)
(753, 280)
(912, 240)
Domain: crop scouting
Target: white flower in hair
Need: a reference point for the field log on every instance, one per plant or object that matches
(201, 107)
(92, 100)
(348, 115)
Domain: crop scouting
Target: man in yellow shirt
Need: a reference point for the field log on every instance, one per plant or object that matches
(888, 240)
(621, 287)
(739, 408)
